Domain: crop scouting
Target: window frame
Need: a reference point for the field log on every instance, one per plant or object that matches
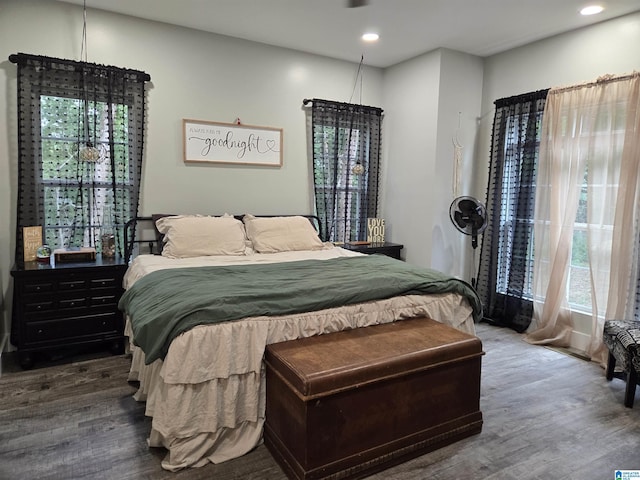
(126, 183)
(348, 190)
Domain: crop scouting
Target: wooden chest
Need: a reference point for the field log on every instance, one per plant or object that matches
(347, 404)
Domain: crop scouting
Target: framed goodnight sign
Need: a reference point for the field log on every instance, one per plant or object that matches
(231, 143)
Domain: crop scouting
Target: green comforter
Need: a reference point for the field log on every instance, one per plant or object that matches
(165, 303)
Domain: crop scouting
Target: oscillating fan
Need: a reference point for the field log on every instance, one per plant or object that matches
(469, 216)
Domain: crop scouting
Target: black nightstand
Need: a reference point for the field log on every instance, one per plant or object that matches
(64, 305)
(387, 248)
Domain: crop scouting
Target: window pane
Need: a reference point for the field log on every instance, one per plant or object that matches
(59, 159)
(579, 277)
(515, 248)
(60, 117)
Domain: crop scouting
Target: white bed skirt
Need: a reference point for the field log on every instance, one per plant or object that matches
(207, 398)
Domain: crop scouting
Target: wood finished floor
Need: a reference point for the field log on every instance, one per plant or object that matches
(547, 415)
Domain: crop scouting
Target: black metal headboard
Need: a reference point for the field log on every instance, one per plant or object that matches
(137, 241)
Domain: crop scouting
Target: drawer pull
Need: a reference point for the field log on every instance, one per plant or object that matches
(37, 287)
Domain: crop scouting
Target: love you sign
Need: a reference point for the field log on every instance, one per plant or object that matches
(375, 230)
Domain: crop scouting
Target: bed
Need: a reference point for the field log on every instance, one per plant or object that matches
(200, 313)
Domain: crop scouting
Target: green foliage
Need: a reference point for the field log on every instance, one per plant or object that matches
(78, 196)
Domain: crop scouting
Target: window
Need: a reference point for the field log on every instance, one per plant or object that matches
(579, 288)
(515, 255)
(346, 158)
(581, 193)
(81, 132)
(79, 193)
(515, 145)
(347, 183)
(596, 210)
(505, 276)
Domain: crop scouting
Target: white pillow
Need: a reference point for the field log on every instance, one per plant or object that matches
(197, 235)
(281, 234)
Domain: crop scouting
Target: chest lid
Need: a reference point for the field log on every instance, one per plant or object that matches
(325, 364)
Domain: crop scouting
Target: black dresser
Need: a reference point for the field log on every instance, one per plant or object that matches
(66, 305)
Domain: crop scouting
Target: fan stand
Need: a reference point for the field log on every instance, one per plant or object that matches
(474, 238)
(474, 246)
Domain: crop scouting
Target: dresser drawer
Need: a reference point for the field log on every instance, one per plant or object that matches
(104, 300)
(73, 302)
(61, 305)
(35, 307)
(76, 327)
(38, 287)
(66, 285)
(103, 283)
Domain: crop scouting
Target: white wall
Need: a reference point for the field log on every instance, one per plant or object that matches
(410, 133)
(428, 101)
(193, 75)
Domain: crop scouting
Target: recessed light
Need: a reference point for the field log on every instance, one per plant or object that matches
(591, 10)
(370, 37)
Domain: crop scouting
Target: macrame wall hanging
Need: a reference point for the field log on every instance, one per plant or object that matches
(457, 160)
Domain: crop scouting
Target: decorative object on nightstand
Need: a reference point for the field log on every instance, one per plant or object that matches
(108, 241)
(74, 255)
(43, 254)
(375, 230)
(32, 239)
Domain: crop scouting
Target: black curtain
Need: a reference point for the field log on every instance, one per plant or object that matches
(80, 147)
(506, 258)
(346, 166)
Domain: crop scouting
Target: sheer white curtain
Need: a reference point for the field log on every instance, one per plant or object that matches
(589, 158)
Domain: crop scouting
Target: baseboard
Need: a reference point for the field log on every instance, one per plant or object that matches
(579, 341)
(578, 347)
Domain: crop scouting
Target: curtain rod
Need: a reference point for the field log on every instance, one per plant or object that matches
(523, 97)
(608, 78)
(307, 101)
(22, 58)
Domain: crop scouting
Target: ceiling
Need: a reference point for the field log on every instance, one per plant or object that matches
(407, 28)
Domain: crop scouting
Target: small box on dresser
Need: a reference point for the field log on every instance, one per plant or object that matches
(64, 305)
(347, 404)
